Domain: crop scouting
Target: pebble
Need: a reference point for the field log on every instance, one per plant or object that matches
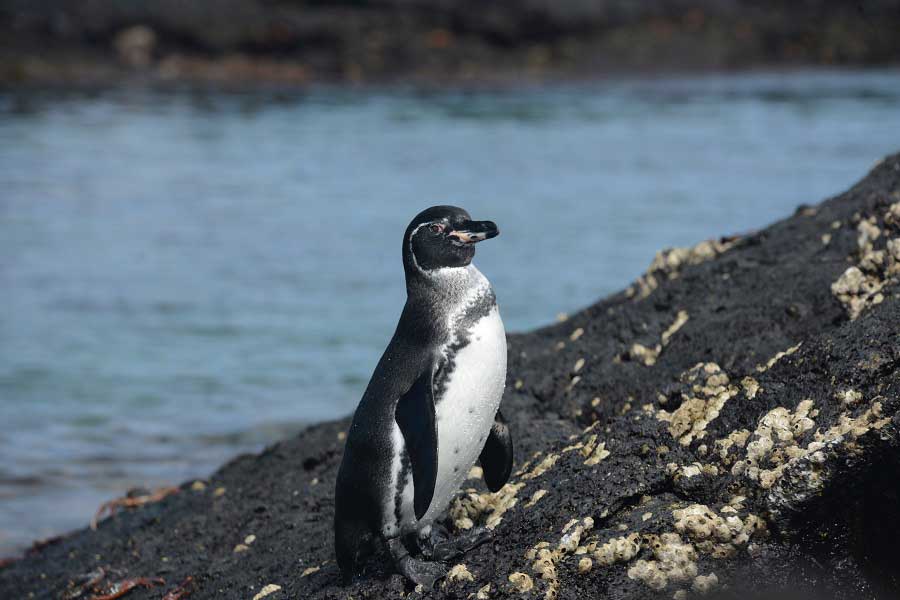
(269, 589)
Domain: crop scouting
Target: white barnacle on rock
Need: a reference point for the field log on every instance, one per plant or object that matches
(542, 467)
(584, 565)
(808, 471)
(861, 285)
(704, 584)
(691, 470)
(710, 390)
(778, 356)
(851, 427)
(459, 573)
(545, 558)
(892, 216)
(648, 355)
(649, 572)
(616, 550)
(674, 561)
(774, 443)
(267, 590)
(698, 529)
(521, 582)
(893, 250)
(472, 506)
(848, 397)
(718, 534)
(867, 233)
(803, 464)
(856, 290)
(667, 264)
(643, 354)
(751, 387)
(573, 533)
(699, 522)
(535, 497)
(735, 439)
(680, 319)
(598, 453)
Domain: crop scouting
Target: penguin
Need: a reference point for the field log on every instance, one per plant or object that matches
(431, 409)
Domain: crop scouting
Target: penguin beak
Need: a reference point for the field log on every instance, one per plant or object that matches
(475, 231)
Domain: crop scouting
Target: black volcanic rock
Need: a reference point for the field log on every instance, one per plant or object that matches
(295, 41)
(722, 427)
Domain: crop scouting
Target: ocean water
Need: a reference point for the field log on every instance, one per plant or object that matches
(187, 275)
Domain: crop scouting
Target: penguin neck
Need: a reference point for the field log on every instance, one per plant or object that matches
(447, 285)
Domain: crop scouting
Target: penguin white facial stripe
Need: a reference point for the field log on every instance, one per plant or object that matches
(410, 242)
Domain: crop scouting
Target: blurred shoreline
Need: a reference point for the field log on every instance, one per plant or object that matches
(242, 43)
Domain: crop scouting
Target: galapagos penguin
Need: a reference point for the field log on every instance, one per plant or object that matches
(431, 408)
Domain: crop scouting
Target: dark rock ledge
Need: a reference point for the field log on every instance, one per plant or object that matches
(213, 43)
(728, 425)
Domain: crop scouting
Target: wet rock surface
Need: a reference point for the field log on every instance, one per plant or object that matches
(295, 41)
(756, 455)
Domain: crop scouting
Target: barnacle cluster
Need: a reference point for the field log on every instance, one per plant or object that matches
(877, 265)
(709, 389)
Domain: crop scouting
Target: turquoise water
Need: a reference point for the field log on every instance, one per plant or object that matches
(186, 276)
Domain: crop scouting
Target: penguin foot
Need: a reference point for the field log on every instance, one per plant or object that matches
(428, 539)
(439, 534)
(420, 572)
(448, 549)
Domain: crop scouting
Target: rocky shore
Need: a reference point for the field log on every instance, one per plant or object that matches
(295, 42)
(727, 426)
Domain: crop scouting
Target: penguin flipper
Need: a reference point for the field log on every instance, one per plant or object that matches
(415, 416)
(497, 456)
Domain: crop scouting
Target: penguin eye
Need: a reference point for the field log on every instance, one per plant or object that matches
(436, 228)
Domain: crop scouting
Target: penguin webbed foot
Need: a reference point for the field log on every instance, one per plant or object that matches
(446, 548)
(436, 535)
(420, 572)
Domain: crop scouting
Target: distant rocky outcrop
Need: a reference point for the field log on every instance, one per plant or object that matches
(296, 41)
(726, 426)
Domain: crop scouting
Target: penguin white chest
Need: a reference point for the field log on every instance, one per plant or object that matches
(465, 410)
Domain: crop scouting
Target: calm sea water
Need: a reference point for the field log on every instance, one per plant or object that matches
(185, 276)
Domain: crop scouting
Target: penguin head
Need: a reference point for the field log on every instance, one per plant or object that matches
(443, 237)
